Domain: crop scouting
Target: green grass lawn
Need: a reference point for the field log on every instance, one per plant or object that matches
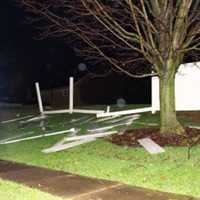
(13, 191)
(170, 171)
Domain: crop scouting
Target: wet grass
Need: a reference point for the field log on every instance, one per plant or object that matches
(14, 191)
(169, 172)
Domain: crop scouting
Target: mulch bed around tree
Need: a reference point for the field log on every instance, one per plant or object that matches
(193, 116)
(130, 137)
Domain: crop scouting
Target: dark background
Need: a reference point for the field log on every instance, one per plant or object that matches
(25, 60)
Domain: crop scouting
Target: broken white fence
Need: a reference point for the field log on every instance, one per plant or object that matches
(186, 88)
(71, 102)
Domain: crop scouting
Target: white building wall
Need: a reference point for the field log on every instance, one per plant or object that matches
(187, 88)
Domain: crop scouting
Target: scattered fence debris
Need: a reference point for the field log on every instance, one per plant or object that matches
(86, 121)
(15, 137)
(196, 127)
(35, 119)
(129, 117)
(151, 146)
(110, 127)
(76, 141)
(125, 112)
(61, 147)
(49, 112)
(39, 136)
(16, 119)
(79, 119)
(97, 135)
(107, 118)
(147, 123)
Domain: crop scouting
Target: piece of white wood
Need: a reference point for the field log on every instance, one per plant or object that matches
(151, 146)
(56, 111)
(22, 139)
(61, 142)
(39, 98)
(146, 123)
(86, 121)
(62, 147)
(16, 119)
(80, 119)
(107, 118)
(195, 127)
(131, 117)
(15, 137)
(85, 111)
(125, 112)
(97, 135)
(41, 117)
(38, 136)
(59, 132)
(110, 127)
(71, 94)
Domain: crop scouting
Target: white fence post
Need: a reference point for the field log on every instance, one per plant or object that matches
(39, 98)
(71, 94)
(153, 94)
(108, 109)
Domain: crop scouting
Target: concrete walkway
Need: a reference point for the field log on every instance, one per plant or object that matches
(76, 187)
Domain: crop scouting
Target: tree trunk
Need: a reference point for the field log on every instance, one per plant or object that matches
(168, 119)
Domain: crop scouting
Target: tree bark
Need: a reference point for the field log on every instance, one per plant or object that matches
(168, 119)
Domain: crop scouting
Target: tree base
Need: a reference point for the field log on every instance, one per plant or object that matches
(172, 128)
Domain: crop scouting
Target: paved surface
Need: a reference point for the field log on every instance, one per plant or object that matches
(77, 187)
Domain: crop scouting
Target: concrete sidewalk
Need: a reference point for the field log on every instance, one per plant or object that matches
(76, 187)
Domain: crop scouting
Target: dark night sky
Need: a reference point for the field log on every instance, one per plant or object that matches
(24, 60)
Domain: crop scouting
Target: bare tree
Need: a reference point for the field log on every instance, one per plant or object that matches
(125, 32)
